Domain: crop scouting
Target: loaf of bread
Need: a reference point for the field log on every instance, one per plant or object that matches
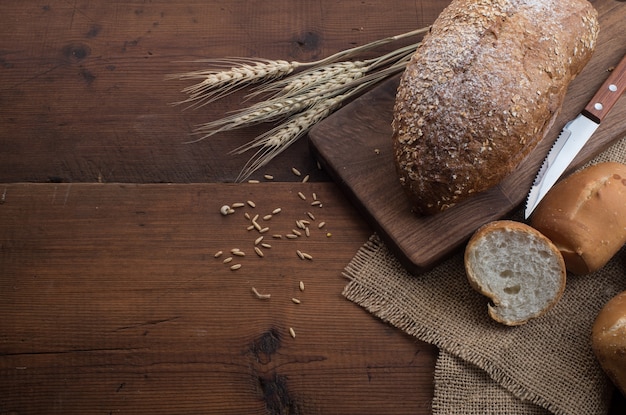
(585, 216)
(609, 340)
(482, 90)
(518, 268)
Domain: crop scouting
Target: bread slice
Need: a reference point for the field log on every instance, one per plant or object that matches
(518, 268)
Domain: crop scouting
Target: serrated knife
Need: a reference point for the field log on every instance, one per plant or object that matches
(575, 135)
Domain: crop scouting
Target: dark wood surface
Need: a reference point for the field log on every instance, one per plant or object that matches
(111, 299)
(355, 147)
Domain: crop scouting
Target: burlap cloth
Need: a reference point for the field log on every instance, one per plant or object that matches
(545, 366)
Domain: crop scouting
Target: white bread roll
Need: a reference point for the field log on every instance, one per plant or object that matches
(482, 90)
(609, 340)
(585, 216)
(518, 268)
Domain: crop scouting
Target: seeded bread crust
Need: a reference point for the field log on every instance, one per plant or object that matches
(482, 90)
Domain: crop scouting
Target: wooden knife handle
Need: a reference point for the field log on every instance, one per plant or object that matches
(608, 94)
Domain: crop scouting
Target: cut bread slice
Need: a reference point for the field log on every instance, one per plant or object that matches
(518, 268)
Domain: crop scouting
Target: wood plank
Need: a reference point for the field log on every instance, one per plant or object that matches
(354, 145)
(83, 95)
(112, 301)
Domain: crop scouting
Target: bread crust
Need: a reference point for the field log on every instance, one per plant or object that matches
(477, 282)
(482, 90)
(609, 340)
(585, 216)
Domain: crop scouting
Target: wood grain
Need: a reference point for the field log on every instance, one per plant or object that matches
(112, 301)
(354, 145)
(83, 95)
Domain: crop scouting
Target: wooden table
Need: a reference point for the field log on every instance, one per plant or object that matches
(112, 300)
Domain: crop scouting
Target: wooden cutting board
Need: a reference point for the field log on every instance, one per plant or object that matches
(354, 146)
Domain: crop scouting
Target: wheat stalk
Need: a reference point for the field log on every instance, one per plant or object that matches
(230, 75)
(301, 99)
(282, 106)
(278, 139)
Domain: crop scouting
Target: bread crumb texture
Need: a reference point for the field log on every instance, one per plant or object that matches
(518, 269)
(481, 91)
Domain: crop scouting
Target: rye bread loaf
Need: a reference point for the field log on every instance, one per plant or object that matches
(482, 90)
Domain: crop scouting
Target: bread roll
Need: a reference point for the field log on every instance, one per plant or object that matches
(482, 90)
(585, 216)
(609, 340)
(518, 268)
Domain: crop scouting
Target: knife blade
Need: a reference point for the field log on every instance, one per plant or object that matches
(575, 135)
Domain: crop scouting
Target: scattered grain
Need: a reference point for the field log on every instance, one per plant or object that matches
(314, 196)
(238, 205)
(321, 224)
(296, 232)
(246, 215)
(301, 285)
(276, 211)
(261, 296)
(316, 203)
(218, 254)
(255, 218)
(277, 236)
(306, 256)
(268, 177)
(306, 179)
(307, 232)
(227, 260)
(263, 230)
(300, 255)
(291, 236)
(250, 227)
(301, 196)
(292, 332)
(258, 240)
(267, 217)
(295, 300)
(258, 251)
(266, 245)
(296, 171)
(251, 203)
(239, 253)
(253, 181)
(310, 215)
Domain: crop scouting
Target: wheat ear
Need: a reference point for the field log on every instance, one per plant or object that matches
(230, 75)
(280, 107)
(275, 141)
